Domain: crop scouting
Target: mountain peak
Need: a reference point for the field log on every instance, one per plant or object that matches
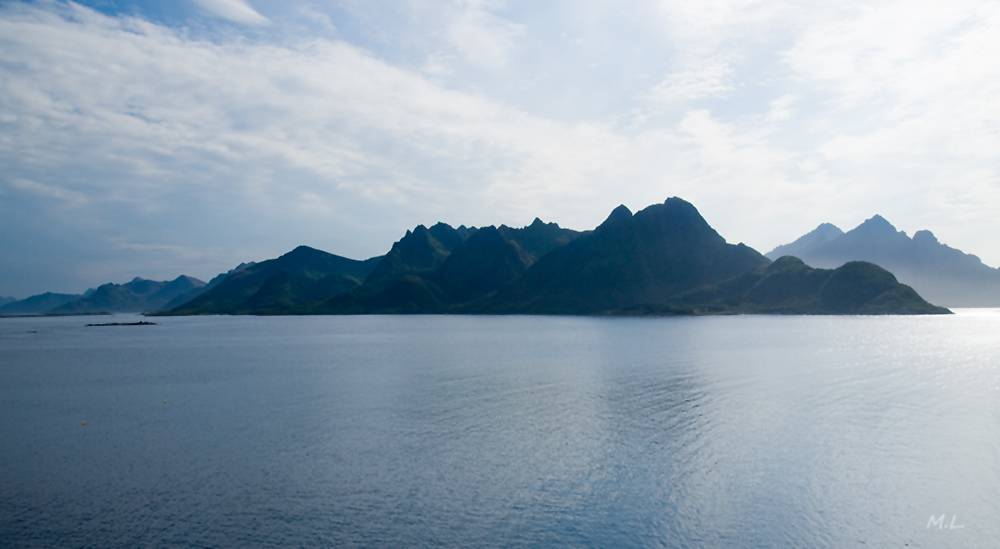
(678, 201)
(301, 252)
(825, 232)
(619, 214)
(876, 223)
(924, 238)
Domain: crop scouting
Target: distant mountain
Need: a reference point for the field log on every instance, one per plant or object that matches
(433, 270)
(38, 304)
(806, 243)
(195, 292)
(6, 300)
(139, 295)
(280, 286)
(789, 286)
(939, 273)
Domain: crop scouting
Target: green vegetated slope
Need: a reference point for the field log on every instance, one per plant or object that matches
(285, 285)
(789, 286)
(435, 270)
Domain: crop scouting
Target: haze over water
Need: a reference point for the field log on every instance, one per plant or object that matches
(747, 431)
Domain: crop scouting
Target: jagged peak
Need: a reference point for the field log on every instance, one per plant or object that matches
(678, 201)
(619, 214)
(537, 223)
(488, 230)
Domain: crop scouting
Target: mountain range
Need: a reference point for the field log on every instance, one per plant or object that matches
(664, 259)
(941, 274)
(138, 295)
(439, 269)
(38, 304)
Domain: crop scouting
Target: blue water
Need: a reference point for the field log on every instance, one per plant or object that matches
(454, 431)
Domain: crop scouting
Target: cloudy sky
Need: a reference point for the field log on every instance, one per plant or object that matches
(153, 139)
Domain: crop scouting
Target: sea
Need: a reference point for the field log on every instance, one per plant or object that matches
(501, 431)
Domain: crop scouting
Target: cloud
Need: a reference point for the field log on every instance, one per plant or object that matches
(705, 78)
(135, 113)
(48, 191)
(482, 38)
(171, 251)
(234, 10)
(771, 117)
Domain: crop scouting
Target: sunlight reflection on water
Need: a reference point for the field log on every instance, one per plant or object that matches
(484, 431)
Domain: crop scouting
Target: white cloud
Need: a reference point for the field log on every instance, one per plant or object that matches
(698, 79)
(138, 113)
(481, 37)
(770, 117)
(781, 109)
(234, 10)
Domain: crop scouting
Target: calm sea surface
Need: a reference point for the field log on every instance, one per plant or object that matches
(454, 431)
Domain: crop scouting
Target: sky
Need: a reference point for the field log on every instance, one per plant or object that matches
(154, 139)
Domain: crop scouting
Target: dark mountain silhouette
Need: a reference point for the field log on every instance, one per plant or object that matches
(139, 295)
(939, 273)
(195, 292)
(421, 251)
(629, 261)
(666, 259)
(401, 283)
(789, 286)
(282, 285)
(6, 300)
(466, 264)
(38, 304)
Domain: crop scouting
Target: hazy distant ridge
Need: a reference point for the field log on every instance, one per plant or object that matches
(38, 304)
(939, 273)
